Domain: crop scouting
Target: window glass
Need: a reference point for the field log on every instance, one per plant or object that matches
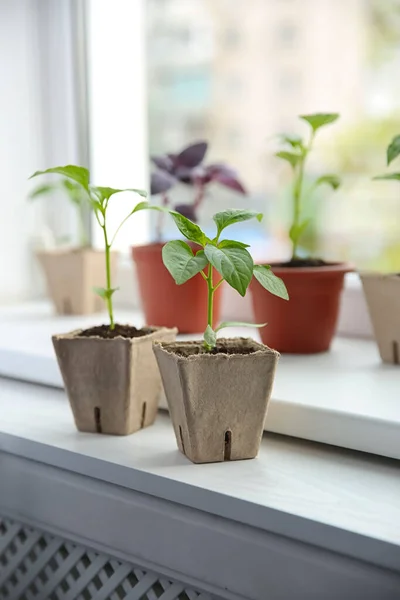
(237, 73)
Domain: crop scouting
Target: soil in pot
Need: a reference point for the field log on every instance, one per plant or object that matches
(111, 377)
(167, 304)
(307, 322)
(382, 292)
(217, 401)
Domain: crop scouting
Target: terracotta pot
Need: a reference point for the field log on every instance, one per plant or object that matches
(167, 304)
(382, 293)
(217, 403)
(307, 322)
(113, 385)
(71, 276)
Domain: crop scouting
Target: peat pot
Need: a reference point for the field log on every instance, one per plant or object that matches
(382, 292)
(167, 304)
(307, 322)
(217, 402)
(71, 275)
(113, 385)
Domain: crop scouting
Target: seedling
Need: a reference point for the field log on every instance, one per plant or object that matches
(98, 199)
(230, 258)
(75, 194)
(187, 167)
(392, 152)
(295, 152)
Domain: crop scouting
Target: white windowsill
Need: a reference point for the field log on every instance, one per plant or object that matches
(332, 499)
(346, 397)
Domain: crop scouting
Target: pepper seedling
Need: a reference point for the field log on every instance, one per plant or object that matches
(230, 258)
(98, 199)
(295, 152)
(76, 196)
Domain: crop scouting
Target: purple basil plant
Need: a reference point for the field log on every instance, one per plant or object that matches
(187, 167)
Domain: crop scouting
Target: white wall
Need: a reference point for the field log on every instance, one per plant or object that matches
(36, 131)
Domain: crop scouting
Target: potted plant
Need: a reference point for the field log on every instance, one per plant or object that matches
(217, 389)
(314, 286)
(109, 371)
(382, 291)
(71, 272)
(160, 297)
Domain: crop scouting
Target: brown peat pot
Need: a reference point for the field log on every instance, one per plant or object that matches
(307, 322)
(167, 304)
(71, 276)
(382, 292)
(217, 402)
(113, 385)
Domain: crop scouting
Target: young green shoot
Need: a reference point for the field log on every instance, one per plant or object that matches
(98, 198)
(76, 195)
(295, 152)
(229, 258)
(392, 152)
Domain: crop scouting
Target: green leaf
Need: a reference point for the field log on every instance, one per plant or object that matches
(296, 231)
(105, 193)
(225, 324)
(293, 140)
(234, 215)
(141, 206)
(270, 281)
(234, 264)
(232, 244)
(320, 119)
(393, 149)
(73, 189)
(41, 190)
(180, 261)
(190, 230)
(104, 293)
(210, 337)
(290, 157)
(332, 180)
(391, 176)
(78, 174)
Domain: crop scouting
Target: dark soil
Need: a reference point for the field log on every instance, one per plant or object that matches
(244, 347)
(304, 262)
(125, 331)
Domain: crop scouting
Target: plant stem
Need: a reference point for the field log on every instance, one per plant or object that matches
(297, 193)
(108, 277)
(199, 196)
(210, 296)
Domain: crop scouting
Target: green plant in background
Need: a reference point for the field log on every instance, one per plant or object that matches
(392, 152)
(230, 258)
(295, 152)
(98, 199)
(75, 194)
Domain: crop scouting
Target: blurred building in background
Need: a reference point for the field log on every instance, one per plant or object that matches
(238, 72)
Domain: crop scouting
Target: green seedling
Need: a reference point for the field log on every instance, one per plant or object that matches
(98, 199)
(295, 152)
(75, 194)
(392, 152)
(230, 259)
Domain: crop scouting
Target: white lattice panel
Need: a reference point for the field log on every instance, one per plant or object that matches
(38, 566)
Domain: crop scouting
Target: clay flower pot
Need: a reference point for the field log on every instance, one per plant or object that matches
(306, 324)
(382, 293)
(113, 385)
(166, 304)
(217, 402)
(71, 275)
